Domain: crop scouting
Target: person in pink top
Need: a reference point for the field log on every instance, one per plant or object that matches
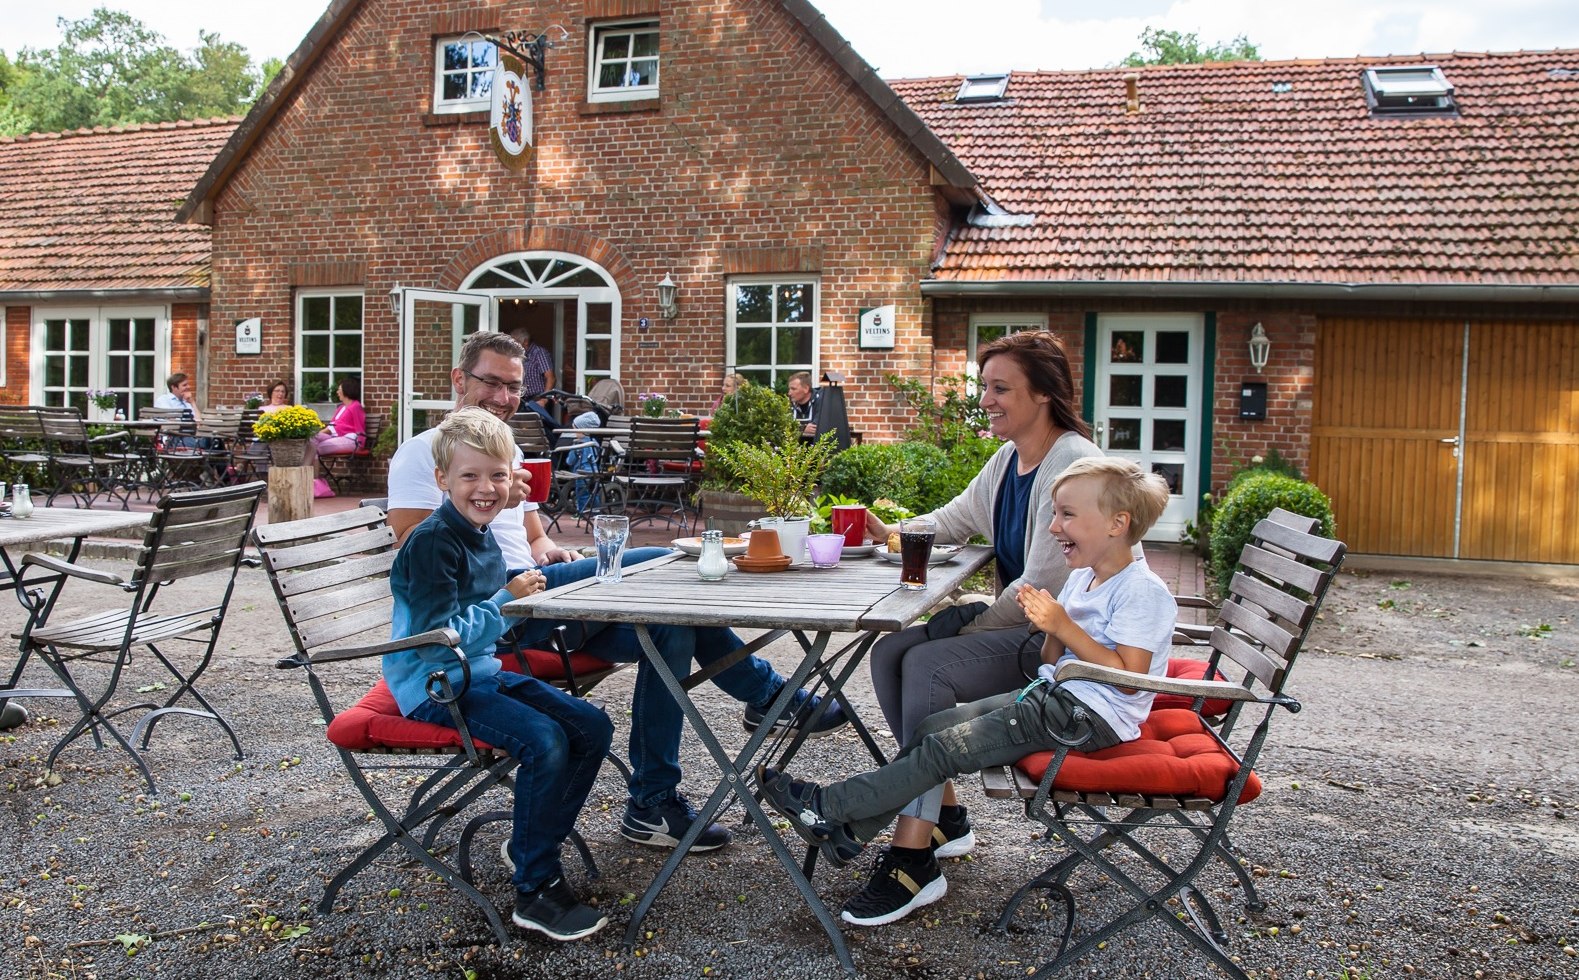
(345, 432)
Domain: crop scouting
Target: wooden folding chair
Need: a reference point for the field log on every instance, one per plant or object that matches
(1183, 778)
(331, 576)
(191, 534)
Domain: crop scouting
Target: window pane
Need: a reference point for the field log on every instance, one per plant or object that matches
(315, 313)
(599, 355)
(1125, 390)
(988, 332)
(120, 334)
(760, 376)
(79, 335)
(54, 371)
(454, 87)
(600, 317)
(754, 304)
(752, 345)
(643, 72)
(143, 372)
(1128, 347)
(315, 351)
(1172, 474)
(1173, 347)
(610, 74)
(315, 388)
(646, 45)
(482, 54)
(144, 333)
(348, 313)
(1123, 434)
(348, 352)
(616, 46)
(482, 84)
(585, 279)
(118, 372)
(1167, 435)
(455, 57)
(54, 334)
(78, 369)
(794, 345)
(795, 303)
(1170, 391)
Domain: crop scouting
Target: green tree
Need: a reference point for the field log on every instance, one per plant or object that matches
(109, 69)
(1160, 47)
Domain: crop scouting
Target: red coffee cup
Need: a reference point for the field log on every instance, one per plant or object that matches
(542, 475)
(850, 521)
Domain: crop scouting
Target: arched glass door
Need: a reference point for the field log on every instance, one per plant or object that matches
(567, 303)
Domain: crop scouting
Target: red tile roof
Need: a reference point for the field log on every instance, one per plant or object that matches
(95, 209)
(1221, 178)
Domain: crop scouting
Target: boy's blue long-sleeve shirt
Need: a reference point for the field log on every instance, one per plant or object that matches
(447, 573)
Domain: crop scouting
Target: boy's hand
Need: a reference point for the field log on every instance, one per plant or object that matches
(1045, 613)
(527, 583)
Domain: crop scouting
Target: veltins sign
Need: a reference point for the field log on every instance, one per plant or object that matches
(877, 329)
(249, 336)
(510, 119)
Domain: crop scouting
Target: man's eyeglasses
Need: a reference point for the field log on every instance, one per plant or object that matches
(515, 389)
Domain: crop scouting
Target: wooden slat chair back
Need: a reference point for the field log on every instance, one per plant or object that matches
(331, 577)
(85, 466)
(1183, 778)
(530, 436)
(22, 435)
(648, 488)
(191, 534)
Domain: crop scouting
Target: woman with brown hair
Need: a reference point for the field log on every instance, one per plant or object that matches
(967, 653)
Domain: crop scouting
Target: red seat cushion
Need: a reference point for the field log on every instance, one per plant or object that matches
(1194, 670)
(1175, 755)
(545, 665)
(375, 722)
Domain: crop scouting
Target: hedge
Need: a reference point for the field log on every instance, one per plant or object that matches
(1246, 503)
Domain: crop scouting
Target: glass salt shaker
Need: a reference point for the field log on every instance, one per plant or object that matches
(712, 565)
(21, 501)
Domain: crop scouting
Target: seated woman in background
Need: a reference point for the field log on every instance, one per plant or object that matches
(277, 397)
(732, 383)
(345, 431)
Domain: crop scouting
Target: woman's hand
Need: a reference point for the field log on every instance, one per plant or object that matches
(876, 529)
(529, 582)
(1045, 613)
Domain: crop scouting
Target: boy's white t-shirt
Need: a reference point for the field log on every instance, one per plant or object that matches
(1133, 608)
(411, 485)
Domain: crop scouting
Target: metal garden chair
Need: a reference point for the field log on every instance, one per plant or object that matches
(646, 486)
(191, 534)
(331, 576)
(1183, 780)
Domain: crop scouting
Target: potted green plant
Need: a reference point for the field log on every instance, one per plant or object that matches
(753, 416)
(286, 433)
(783, 479)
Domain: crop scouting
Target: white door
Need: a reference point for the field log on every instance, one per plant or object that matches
(433, 325)
(1148, 403)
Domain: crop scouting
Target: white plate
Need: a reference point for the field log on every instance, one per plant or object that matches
(693, 546)
(941, 554)
(857, 550)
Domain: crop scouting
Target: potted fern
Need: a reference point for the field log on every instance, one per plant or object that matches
(752, 416)
(783, 479)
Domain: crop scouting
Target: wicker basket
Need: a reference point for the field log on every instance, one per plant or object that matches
(288, 452)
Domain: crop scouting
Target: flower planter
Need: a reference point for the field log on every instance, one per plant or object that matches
(288, 452)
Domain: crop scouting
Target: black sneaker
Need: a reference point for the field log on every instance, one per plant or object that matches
(898, 886)
(665, 822)
(555, 911)
(800, 710)
(953, 836)
(801, 803)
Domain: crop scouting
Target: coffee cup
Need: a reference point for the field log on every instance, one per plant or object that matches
(541, 472)
(850, 521)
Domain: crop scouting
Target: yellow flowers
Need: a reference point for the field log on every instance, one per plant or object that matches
(294, 422)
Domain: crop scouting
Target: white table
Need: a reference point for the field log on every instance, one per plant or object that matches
(19, 535)
(860, 596)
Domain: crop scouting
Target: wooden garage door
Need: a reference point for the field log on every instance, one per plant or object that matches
(1521, 457)
(1395, 400)
(1386, 396)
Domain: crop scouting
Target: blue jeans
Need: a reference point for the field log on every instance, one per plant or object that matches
(656, 719)
(559, 741)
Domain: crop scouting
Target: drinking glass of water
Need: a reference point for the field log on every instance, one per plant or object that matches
(610, 533)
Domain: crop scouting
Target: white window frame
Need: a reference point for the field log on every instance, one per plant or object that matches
(774, 368)
(1409, 90)
(469, 104)
(98, 318)
(1012, 322)
(598, 36)
(982, 88)
(334, 370)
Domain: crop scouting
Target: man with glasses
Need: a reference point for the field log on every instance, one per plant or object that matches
(489, 376)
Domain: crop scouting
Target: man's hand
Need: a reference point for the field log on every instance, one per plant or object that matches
(520, 483)
(527, 583)
(554, 554)
(810, 429)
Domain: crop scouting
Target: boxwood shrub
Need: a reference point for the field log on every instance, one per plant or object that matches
(869, 471)
(1252, 498)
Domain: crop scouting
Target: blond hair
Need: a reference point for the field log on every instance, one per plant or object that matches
(477, 428)
(1126, 489)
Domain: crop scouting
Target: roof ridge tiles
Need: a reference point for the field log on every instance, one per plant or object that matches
(166, 125)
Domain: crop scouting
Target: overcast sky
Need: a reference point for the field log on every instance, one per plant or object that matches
(913, 38)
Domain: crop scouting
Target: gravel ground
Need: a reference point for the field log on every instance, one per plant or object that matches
(1421, 818)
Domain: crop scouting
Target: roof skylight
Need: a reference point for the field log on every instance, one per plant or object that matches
(1408, 89)
(982, 88)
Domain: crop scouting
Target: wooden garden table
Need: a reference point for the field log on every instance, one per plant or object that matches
(860, 596)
